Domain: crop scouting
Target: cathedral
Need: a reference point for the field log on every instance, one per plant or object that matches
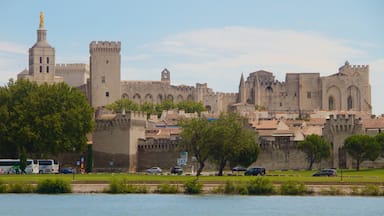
(301, 93)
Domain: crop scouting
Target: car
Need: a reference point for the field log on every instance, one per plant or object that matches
(177, 170)
(153, 170)
(254, 171)
(326, 172)
(66, 170)
(239, 168)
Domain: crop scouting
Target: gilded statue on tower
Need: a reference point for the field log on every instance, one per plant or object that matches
(41, 19)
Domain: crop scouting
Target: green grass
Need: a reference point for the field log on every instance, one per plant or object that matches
(349, 176)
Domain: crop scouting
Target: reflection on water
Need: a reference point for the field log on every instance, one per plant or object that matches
(185, 205)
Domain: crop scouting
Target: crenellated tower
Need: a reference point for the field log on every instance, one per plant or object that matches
(105, 63)
(336, 130)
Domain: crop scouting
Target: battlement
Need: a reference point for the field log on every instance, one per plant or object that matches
(119, 120)
(269, 82)
(222, 94)
(343, 123)
(105, 46)
(72, 67)
(201, 85)
(133, 115)
(183, 88)
(347, 68)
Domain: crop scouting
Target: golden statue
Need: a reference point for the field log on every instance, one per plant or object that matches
(41, 19)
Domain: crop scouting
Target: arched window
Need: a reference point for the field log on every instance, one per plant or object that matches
(159, 98)
(148, 98)
(125, 96)
(331, 103)
(170, 97)
(349, 103)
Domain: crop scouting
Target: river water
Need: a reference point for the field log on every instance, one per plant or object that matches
(186, 205)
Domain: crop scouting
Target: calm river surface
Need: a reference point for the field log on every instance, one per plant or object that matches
(185, 205)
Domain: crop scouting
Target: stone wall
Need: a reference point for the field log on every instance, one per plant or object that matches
(115, 140)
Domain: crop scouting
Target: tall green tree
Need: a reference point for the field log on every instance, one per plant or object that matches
(44, 119)
(315, 148)
(232, 142)
(196, 138)
(362, 148)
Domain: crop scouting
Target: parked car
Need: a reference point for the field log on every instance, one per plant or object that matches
(326, 172)
(66, 170)
(239, 168)
(177, 170)
(153, 170)
(255, 171)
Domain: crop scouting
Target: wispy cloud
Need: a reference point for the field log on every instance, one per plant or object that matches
(13, 48)
(220, 55)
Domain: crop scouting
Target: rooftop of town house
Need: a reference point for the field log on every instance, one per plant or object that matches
(161, 133)
(375, 123)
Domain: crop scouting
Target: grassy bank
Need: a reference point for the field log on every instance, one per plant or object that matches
(365, 182)
(368, 176)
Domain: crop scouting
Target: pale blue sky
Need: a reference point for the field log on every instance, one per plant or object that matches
(205, 41)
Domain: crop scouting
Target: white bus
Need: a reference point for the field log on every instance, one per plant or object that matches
(48, 166)
(11, 166)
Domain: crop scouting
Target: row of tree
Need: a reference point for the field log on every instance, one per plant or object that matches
(221, 141)
(42, 120)
(360, 147)
(156, 109)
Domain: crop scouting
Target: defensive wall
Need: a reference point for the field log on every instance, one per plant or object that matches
(115, 141)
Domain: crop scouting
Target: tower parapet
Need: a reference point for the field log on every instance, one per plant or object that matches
(105, 46)
(351, 69)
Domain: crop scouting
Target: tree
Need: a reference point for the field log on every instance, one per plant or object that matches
(43, 119)
(315, 148)
(195, 138)
(191, 106)
(23, 160)
(232, 142)
(123, 104)
(362, 148)
(380, 140)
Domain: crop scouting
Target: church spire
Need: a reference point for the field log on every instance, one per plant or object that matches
(242, 95)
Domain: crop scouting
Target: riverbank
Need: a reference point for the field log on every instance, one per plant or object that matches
(314, 189)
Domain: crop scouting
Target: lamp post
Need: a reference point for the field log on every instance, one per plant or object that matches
(111, 162)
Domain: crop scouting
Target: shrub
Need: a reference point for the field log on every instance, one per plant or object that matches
(242, 189)
(371, 190)
(193, 187)
(229, 188)
(332, 191)
(293, 188)
(3, 187)
(260, 186)
(122, 186)
(20, 188)
(218, 190)
(355, 190)
(167, 189)
(49, 186)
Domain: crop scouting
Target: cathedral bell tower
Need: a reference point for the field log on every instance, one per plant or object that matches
(42, 57)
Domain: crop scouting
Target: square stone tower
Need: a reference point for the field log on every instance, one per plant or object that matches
(104, 72)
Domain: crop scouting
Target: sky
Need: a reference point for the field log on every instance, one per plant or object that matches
(204, 41)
